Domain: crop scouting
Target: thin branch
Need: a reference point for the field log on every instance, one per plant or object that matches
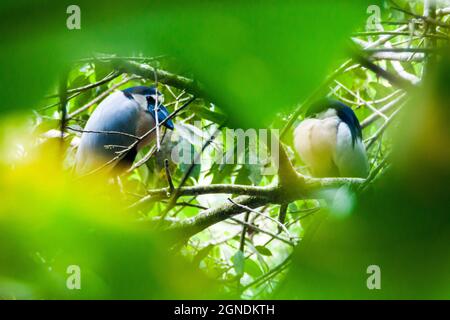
(304, 188)
(142, 161)
(168, 175)
(282, 226)
(188, 173)
(106, 79)
(369, 142)
(443, 11)
(418, 16)
(419, 50)
(273, 235)
(105, 132)
(63, 106)
(146, 157)
(383, 39)
(374, 116)
(101, 96)
(109, 58)
(367, 104)
(374, 173)
(57, 103)
(398, 56)
(397, 33)
(392, 78)
(158, 142)
(265, 277)
(402, 72)
(165, 77)
(244, 232)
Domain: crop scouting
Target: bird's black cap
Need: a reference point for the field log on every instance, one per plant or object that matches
(344, 112)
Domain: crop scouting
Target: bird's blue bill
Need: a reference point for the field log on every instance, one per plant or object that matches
(163, 113)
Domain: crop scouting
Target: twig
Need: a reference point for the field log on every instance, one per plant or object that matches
(110, 58)
(63, 106)
(273, 235)
(244, 232)
(58, 103)
(367, 104)
(419, 50)
(374, 116)
(144, 159)
(187, 174)
(401, 71)
(168, 175)
(418, 16)
(100, 96)
(397, 33)
(269, 274)
(105, 132)
(369, 142)
(106, 79)
(282, 226)
(373, 174)
(158, 142)
(393, 79)
(165, 77)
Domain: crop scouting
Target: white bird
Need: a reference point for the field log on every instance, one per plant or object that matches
(329, 141)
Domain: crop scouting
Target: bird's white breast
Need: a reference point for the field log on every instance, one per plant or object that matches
(326, 146)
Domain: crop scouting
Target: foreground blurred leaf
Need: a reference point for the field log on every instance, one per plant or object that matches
(263, 250)
(49, 222)
(260, 56)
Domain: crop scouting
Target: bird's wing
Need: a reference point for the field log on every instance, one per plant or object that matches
(115, 113)
(350, 159)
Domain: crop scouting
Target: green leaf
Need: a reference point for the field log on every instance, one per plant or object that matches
(263, 250)
(252, 268)
(239, 262)
(292, 207)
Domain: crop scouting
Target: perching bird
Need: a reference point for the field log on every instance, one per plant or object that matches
(113, 126)
(330, 143)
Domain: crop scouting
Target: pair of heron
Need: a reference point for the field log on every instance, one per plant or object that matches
(328, 140)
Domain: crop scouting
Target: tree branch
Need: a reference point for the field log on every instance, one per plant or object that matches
(303, 188)
(165, 77)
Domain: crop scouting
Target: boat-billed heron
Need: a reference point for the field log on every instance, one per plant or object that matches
(329, 141)
(114, 126)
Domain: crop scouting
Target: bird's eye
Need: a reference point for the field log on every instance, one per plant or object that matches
(150, 100)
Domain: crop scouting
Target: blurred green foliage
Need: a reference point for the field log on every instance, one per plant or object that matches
(48, 223)
(249, 55)
(255, 60)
